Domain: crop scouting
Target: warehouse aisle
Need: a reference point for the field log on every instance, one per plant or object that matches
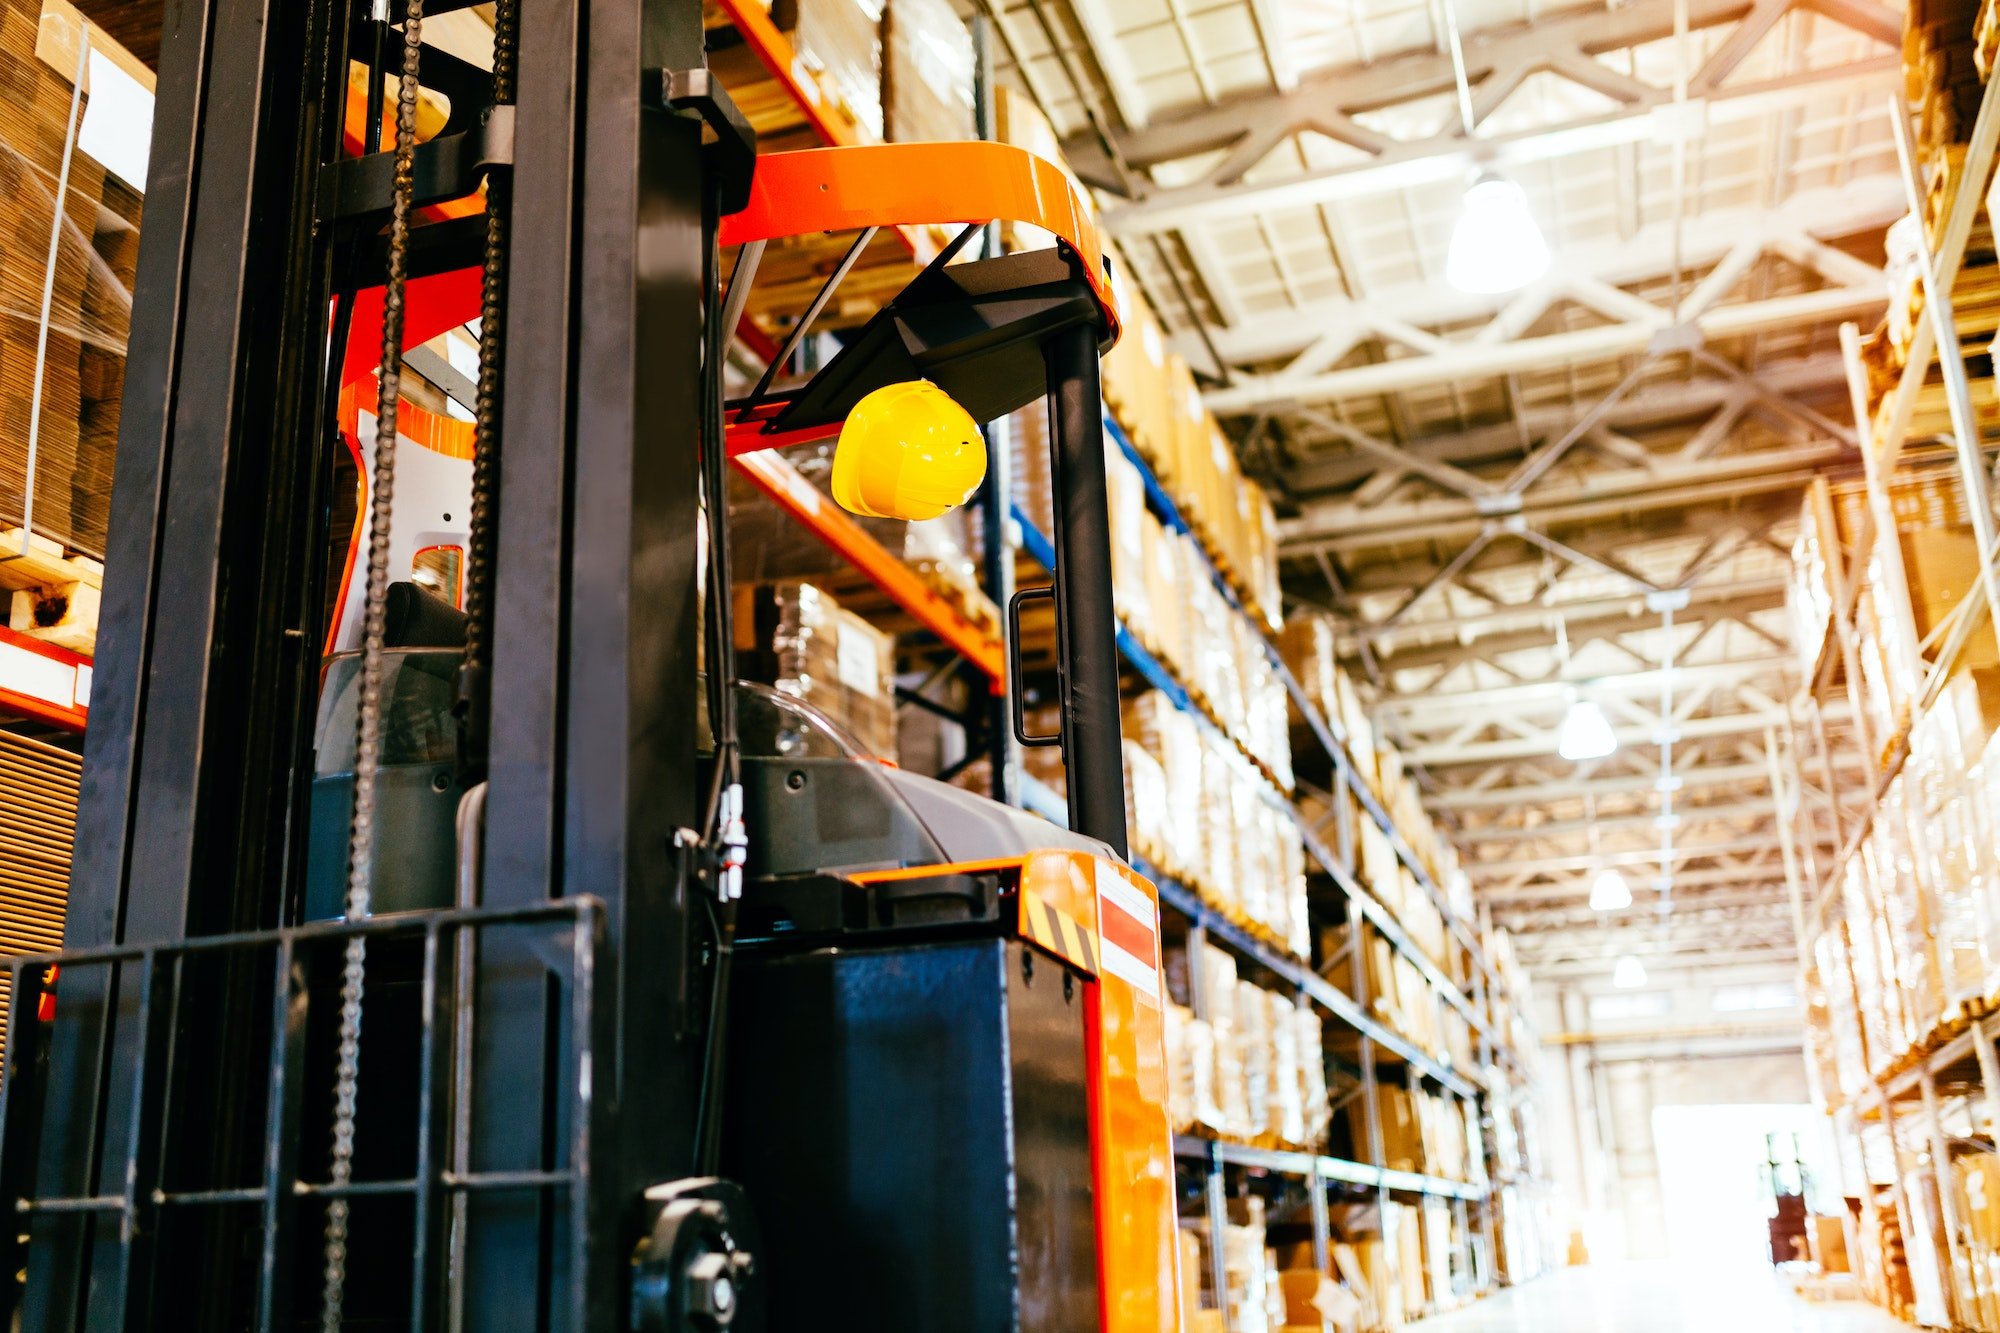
(1659, 1298)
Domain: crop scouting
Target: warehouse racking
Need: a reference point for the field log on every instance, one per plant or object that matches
(789, 108)
(784, 101)
(1914, 1121)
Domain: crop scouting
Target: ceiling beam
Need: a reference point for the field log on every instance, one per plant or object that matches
(1702, 959)
(1422, 710)
(1336, 528)
(1557, 829)
(1465, 359)
(1624, 856)
(1332, 94)
(1571, 789)
(1437, 642)
(1581, 273)
(1454, 156)
(1576, 889)
(1487, 752)
(1101, 36)
(1580, 912)
(1662, 403)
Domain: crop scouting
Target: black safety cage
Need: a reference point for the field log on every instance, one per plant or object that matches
(161, 1197)
(151, 1145)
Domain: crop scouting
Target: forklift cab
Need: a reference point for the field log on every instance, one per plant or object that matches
(945, 1053)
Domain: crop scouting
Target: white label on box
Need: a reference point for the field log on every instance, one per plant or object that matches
(1149, 337)
(859, 668)
(802, 75)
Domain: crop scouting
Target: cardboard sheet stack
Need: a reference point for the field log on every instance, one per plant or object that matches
(89, 315)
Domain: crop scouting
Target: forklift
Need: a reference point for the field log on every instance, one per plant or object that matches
(496, 960)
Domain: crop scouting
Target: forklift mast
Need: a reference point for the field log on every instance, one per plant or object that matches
(193, 1131)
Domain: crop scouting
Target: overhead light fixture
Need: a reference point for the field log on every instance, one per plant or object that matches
(1628, 973)
(1496, 245)
(1586, 733)
(1609, 892)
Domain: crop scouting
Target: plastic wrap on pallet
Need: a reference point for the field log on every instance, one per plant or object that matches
(1135, 382)
(1125, 495)
(1148, 821)
(1309, 1038)
(927, 73)
(1866, 950)
(1309, 646)
(797, 639)
(89, 314)
(839, 42)
(1976, 1178)
(1246, 1267)
(1845, 1028)
(1251, 1016)
(1907, 916)
(1172, 738)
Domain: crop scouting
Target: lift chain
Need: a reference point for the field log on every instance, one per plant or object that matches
(368, 714)
(472, 702)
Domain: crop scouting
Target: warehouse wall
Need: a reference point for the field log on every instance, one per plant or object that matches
(1607, 1074)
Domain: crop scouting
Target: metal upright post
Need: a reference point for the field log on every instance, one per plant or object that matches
(1959, 1297)
(1215, 1195)
(1091, 742)
(1905, 1216)
(1322, 1227)
(1989, 1072)
(1951, 359)
(594, 757)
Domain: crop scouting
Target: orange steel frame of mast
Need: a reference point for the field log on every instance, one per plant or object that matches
(830, 190)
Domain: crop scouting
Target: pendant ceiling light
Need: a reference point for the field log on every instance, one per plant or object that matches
(1496, 245)
(1586, 733)
(1628, 973)
(1609, 892)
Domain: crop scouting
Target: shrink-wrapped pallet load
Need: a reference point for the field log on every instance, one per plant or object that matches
(799, 640)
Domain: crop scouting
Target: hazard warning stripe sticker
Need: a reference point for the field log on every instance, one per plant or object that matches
(1128, 934)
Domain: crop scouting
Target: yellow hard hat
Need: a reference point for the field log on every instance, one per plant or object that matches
(907, 451)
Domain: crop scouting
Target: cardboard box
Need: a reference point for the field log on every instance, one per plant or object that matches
(1829, 1244)
(797, 639)
(927, 73)
(1942, 565)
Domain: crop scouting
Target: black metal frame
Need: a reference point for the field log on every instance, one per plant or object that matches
(199, 754)
(153, 980)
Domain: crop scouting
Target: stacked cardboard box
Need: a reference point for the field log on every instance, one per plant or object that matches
(1917, 938)
(1152, 394)
(1254, 1070)
(839, 43)
(1200, 813)
(1164, 595)
(797, 639)
(927, 73)
(1427, 1133)
(1910, 588)
(89, 316)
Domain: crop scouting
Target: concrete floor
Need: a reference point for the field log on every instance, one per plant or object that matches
(1660, 1298)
